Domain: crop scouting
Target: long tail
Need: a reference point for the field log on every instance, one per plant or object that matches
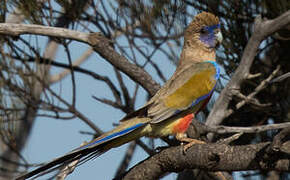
(118, 136)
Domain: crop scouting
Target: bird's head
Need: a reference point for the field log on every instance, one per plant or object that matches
(203, 32)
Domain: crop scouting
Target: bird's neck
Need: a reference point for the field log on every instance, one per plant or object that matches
(191, 55)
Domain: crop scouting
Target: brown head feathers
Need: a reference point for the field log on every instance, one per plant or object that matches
(201, 20)
(195, 50)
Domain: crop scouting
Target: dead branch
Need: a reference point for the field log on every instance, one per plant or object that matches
(252, 129)
(281, 78)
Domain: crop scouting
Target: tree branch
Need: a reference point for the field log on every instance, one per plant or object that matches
(100, 43)
(211, 157)
(252, 129)
(57, 77)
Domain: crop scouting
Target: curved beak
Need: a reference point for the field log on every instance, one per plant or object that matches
(219, 37)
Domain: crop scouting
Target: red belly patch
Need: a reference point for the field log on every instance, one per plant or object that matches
(183, 124)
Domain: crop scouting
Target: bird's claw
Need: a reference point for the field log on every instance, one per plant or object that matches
(190, 142)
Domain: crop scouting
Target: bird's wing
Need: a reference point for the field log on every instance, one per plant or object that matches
(186, 88)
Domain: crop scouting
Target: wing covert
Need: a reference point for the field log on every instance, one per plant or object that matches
(185, 88)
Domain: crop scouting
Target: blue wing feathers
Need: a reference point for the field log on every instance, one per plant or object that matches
(113, 136)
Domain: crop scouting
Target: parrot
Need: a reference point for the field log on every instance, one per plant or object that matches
(171, 110)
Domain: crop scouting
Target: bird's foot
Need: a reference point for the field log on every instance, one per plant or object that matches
(190, 142)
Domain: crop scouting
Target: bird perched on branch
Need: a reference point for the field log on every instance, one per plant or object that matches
(172, 108)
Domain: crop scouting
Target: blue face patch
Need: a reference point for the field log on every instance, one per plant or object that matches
(208, 37)
(212, 28)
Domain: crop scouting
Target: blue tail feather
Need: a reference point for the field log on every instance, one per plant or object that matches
(112, 136)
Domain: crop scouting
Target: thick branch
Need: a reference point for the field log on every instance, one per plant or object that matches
(20, 29)
(100, 44)
(103, 46)
(212, 157)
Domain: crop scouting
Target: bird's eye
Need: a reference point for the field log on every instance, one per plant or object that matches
(202, 31)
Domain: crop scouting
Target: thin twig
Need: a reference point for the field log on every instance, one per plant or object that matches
(260, 87)
(72, 74)
(57, 77)
(68, 169)
(281, 78)
(126, 159)
(252, 129)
